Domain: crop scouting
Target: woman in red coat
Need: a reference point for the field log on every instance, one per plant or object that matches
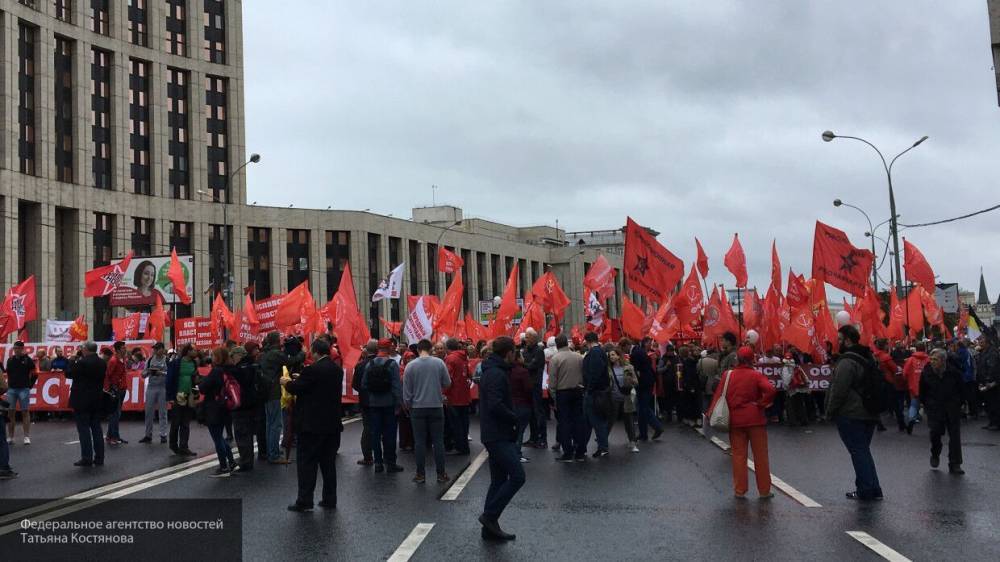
(748, 395)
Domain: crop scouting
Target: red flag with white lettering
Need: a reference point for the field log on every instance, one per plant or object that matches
(448, 261)
(19, 308)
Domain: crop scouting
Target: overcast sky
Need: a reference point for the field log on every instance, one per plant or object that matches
(695, 118)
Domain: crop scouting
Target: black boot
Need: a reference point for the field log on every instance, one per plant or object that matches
(492, 530)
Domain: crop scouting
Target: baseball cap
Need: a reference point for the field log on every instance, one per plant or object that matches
(19, 343)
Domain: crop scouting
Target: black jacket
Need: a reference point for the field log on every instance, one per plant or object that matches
(210, 388)
(497, 420)
(595, 369)
(643, 369)
(356, 379)
(88, 383)
(941, 395)
(317, 398)
(246, 373)
(534, 362)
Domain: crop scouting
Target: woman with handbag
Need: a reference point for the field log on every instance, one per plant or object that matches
(182, 376)
(742, 397)
(216, 413)
(623, 382)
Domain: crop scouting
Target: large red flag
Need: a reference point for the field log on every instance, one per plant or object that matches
(916, 266)
(444, 323)
(293, 307)
(914, 312)
(702, 260)
(801, 331)
(348, 323)
(691, 300)
(79, 330)
(727, 320)
(448, 261)
(651, 270)
(19, 308)
(475, 330)
(632, 319)
(932, 311)
(870, 311)
(600, 278)
(736, 262)
(771, 332)
(665, 323)
(503, 323)
(431, 303)
(534, 316)
(549, 294)
(157, 322)
(775, 266)
(712, 325)
(838, 262)
(798, 290)
(826, 331)
(221, 315)
(250, 313)
(102, 281)
(176, 275)
(897, 316)
(963, 319)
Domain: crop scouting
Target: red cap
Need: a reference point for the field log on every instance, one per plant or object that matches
(745, 354)
(385, 343)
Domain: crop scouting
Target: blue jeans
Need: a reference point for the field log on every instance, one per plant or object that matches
(506, 477)
(272, 420)
(88, 427)
(383, 434)
(597, 422)
(646, 414)
(857, 437)
(914, 412)
(221, 447)
(115, 416)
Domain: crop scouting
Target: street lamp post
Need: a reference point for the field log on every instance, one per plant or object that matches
(227, 290)
(893, 225)
(838, 203)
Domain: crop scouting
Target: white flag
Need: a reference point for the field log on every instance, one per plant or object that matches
(392, 286)
(595, 312)
(418, 324)
(58, 330)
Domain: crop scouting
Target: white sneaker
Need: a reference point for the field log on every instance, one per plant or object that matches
(523, 460)
(10, 440)
(27, 440)
(633, 447)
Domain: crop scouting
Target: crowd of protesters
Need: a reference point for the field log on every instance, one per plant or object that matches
(268, 399)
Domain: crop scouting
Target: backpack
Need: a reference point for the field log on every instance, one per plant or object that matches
(379, 380)
(870, 385)
(230, 394)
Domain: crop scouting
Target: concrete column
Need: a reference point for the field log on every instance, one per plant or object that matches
(197, 136)
(317, 264)
(8, 88)
(159, 133)
(280, 263)
(83, 145)
(45, 126)
(359, 268)
(195, 27)
(121, 180)
(425, 272)
(199, 249)
(86, 250)
(45, 269)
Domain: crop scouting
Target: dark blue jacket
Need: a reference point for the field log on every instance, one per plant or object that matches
(643, 369)
(497, 420)
(173, 372)
(595, 369)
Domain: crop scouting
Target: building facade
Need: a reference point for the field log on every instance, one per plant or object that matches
(124, 130)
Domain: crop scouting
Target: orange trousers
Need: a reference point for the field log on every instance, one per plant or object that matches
(754, 437)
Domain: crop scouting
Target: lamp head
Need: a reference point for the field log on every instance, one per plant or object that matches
(828, 136)
(837, 202)
(922, 139)
(255, 157)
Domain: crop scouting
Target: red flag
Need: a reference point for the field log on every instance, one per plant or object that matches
(931, 308)
(431, 304)
(447, 316)
(753, 310)
(702, 260)
(771, 332)
(503, 323)
(869, 309)
(736, 262)
(391, 327)
(176, 275)
(665, 323)
(475, 330)
(917, 268)
(291, 309)
(801, 330)
(897, 316)
(775, 266)
(838, 262)
(727, 320)
(963, 319)
(126, 328)
(914, 312)
(19, 308)
(651, 270)
(798, 291)
(157, 322)
(691, 300)
(348, 322)
(600, 278)
(549, 294)
(711, 324)
(448, 261)
(534, 316)
(250, 312)
(103, 280)
(78, 330)
(632, 319)
(221, 317)
(826, 331)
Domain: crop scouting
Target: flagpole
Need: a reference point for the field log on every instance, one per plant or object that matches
(739, 307)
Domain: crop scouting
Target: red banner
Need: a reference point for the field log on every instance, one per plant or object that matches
(196, 331)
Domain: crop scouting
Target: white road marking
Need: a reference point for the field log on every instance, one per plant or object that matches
(777, 482)
(463, 480)
(351, 420)
(880, 548)
(71, 442)
(720, 443)
(412, 542)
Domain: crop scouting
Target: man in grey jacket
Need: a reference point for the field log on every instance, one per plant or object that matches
(855, 423)
(426, 377)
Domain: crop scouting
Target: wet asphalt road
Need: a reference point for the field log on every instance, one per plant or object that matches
(671, 501)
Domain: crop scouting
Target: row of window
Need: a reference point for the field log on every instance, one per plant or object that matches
(98, 14)
(140, 122)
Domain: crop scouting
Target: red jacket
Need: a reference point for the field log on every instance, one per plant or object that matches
(912, 369)
(115, 375)
(749, 394)
(520, 386)
(458, 369)
(890, 369)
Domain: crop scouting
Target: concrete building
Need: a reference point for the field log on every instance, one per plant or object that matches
(124, 130)
(993, 9)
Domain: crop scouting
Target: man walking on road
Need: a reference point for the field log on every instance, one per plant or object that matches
(645, 409)
(367, 354)
(385, 398)
(566, 380)
(855, 423)
(988, 377)
(426, 377)
(85, 397)
(459, 396)
(941, 395)
(317, 394)
(597, 398)
(20, 378)
(498, 425)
